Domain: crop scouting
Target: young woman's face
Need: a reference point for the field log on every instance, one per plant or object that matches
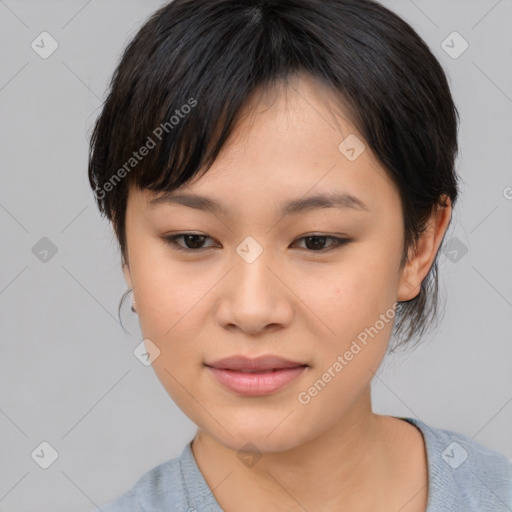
(253, 284)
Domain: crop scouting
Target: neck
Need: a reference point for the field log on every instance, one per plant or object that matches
(334, 468)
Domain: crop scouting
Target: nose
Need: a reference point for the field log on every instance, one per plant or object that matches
(254, 298)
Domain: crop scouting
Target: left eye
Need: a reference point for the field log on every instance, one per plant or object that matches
(313, 242)
(319, 240)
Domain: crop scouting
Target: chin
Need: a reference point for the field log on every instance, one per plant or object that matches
(263, 435)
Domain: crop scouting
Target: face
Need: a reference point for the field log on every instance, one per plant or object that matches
(312, 285)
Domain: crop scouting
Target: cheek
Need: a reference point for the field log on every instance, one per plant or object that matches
(357, 306)
(170, 313)
(360, 313)
(173, 306)
(162, 288)
(357, 292)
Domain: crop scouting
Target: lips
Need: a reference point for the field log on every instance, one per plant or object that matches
(254, 377)
(262, 364)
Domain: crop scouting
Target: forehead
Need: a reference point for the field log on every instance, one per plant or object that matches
(290, 142)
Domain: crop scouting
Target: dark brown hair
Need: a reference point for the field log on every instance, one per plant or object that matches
(185, 77)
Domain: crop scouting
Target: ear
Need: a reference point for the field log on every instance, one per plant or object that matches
(422, 256)
(127, 275)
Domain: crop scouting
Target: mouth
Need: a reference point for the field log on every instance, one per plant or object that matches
(255, 377)
(259, 364)
(257, 371)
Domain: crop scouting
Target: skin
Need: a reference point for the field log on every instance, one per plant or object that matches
(295, 301)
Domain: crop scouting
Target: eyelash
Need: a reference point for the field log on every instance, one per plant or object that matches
(172, 241)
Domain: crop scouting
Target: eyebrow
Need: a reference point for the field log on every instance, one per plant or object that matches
(340, 200)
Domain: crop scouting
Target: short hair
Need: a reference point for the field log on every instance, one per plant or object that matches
(185, 77)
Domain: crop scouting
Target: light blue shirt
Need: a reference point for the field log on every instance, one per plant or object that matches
(464, 476)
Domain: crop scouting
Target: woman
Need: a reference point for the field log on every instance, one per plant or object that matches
(280, 176)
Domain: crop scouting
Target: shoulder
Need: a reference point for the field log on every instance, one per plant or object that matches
(175, 484)
(158, 486)
(464, 473)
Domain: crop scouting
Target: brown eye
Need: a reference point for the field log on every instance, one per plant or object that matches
(316, 243)
(192, 241)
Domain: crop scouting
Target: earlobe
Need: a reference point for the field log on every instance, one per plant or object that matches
(408, 287)
(422, 256)
(128, 279)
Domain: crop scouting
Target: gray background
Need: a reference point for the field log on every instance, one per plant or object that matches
(68, 374)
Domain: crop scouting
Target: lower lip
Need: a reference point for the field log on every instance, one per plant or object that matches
(255, 384)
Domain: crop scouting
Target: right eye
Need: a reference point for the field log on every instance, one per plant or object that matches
(193, 239)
